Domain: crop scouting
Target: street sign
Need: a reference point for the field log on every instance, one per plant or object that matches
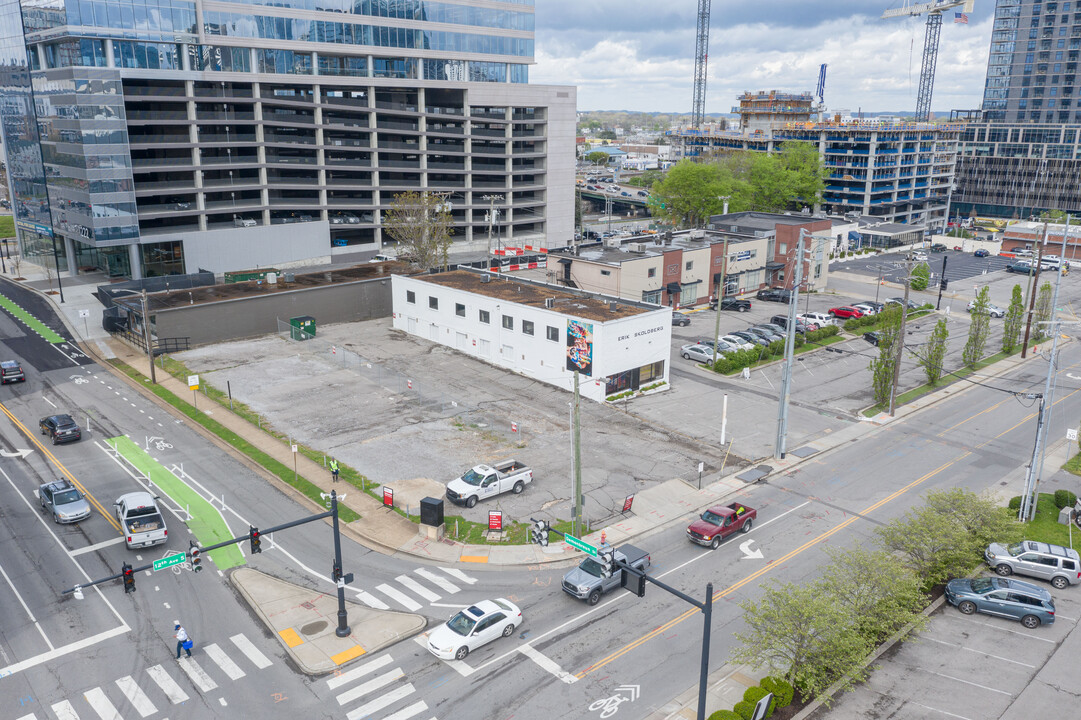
(495, 520)
(627, 503)
(169, 561)
(193, 382)
(580, 544)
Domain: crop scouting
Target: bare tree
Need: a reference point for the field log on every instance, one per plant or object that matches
(49, 270)
(421, 224)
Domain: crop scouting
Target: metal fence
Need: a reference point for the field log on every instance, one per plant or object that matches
(427, 396)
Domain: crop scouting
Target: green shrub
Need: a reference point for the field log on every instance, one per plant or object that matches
(782, 690)
(1015, 502)
(1064, 498)
(776, 347)
(744, 709)
(725, 715)
(754, 694)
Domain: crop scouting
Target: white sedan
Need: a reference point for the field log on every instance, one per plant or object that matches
(993, 310)
(474, 627)
(738, 342)
(697, 352)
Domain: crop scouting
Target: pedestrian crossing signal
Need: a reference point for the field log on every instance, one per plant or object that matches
(194, 552)
(256, 541)
(129, 578)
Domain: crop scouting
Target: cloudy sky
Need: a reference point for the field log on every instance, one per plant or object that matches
(639, 54)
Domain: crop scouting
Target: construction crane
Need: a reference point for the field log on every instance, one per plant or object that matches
(701, 56)
(934, 10)
(820, 91)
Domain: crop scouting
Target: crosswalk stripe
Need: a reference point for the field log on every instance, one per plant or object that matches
(197, 675)
(223, 661)
(446, 585)
(456, 573)
(31, 716)
(406, 713)
(399, 597)
(64, 711)
(359, 671)
(136, 696)
(372, 601)
(250, 651)
(168, 686)
(380, 702)
(459, 666)
(101, 705)
(417, 588)
(374, 684)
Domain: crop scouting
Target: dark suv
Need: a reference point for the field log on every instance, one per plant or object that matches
(61, 428)
(11, 372)
(801, 326)
(731, 303)
(774, 295)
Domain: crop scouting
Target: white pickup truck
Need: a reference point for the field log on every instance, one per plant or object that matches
(140, 520)
(485, 481)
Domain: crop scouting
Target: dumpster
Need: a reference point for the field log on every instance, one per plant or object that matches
(236, 276)
(302, 327)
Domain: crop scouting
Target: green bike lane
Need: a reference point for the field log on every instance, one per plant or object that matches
(206, 522)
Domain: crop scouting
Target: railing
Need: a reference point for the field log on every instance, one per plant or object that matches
(161, 345)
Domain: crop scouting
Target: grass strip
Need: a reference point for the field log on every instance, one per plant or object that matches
(283, 472)
(1045, 526)
(30, 321)
(206, 522)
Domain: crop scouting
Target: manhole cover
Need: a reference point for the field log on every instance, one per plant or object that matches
(307, 606)
(314, 628)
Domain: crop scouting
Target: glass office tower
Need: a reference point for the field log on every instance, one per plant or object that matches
(173, 135)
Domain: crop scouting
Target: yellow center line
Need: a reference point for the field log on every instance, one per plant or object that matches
(45, 451)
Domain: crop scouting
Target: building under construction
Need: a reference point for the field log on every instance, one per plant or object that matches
(763, 111)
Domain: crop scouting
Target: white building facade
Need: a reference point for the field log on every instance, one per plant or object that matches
(539, 330)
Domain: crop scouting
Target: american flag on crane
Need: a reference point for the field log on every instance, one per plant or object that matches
(960, 18)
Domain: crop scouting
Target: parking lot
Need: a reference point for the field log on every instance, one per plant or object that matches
(974, 667)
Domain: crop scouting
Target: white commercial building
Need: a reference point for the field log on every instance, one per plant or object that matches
(539, 330)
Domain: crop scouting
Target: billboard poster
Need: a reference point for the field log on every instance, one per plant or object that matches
(580, 347)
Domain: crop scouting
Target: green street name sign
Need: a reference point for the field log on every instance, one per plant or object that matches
(580, 544)
(170, 561)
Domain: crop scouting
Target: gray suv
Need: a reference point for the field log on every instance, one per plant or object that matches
(1005, 597)
(63, 501)
(1058, 565)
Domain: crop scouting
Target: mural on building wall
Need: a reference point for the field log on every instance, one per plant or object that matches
(580, 347)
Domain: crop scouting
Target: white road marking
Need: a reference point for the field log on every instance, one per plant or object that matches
(168, 686)
(97, 546)
(406, 713)
(48, 400)
(223, 661)
(105, 709)
(978, 652)
(457, 665)
(197, 675)
(64, 711)
(251, 652)
(547, 663)
(417, 588)
(1014, 632)
(136, 696)
(456, 573)
(381, 702)
(446, 585)
(31, 716)
(372, 685)
(26, 608)
(372, 601)
(943, 712)
(969, 682)
(359, 671)
(399, 597)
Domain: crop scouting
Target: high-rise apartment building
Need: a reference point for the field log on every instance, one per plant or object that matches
(150, 137)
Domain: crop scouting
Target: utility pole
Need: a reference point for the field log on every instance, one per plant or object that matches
(789, 347)
(1033, 280)
(491, 220)
(721, 286)
(577, 460)
(900, 339)
(941, 284)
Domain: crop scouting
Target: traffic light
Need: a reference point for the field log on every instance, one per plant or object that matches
(336, 572)
(539, 533)
(256, 541)
(606, 558)
(194, 552)
(129, 578)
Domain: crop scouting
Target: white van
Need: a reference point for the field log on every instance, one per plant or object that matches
(1053, 261)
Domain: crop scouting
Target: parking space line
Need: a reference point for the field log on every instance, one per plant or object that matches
(969, 682)
(978, 652)
(1014, 632)
(950, 714)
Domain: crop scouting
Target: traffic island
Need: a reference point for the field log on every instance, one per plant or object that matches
(305, 621)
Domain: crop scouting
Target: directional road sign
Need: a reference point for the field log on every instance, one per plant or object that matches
(580, 544)
(170, 561)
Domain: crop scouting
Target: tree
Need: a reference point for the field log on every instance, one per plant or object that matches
(934, 546)
(880, 595)
(921, 276)
(598, 156)
(932, 355)
(607, 135)
(983, 519)
(979, 329)
(691, 192)
(802, 634)
(881, 367)
(1011, 325)
(646, 179)
(421, 224)
(1041, 313)
(578, 209)
(806, 173)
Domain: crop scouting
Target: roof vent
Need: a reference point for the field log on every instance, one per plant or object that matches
(485, 278)
(549, 302)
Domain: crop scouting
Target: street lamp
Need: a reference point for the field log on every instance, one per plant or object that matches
(146, 329)
(491, 217)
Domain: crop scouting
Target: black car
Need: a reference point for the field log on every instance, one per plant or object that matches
(901, 301)
(736, 304)
(981, 253)
(10, 372)
(61, 428)
(679, 318)
(938, 247)
(774, 295)
(872, 337)
(750, 337)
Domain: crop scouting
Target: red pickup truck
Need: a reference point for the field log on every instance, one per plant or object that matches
(719, 522)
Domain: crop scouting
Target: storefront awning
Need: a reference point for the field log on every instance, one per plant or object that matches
(672, 288)
(565, 261)
(774, 265)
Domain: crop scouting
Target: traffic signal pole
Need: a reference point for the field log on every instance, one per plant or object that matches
(343, 618)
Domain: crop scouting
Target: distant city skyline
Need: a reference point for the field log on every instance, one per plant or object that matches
(641, 58)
